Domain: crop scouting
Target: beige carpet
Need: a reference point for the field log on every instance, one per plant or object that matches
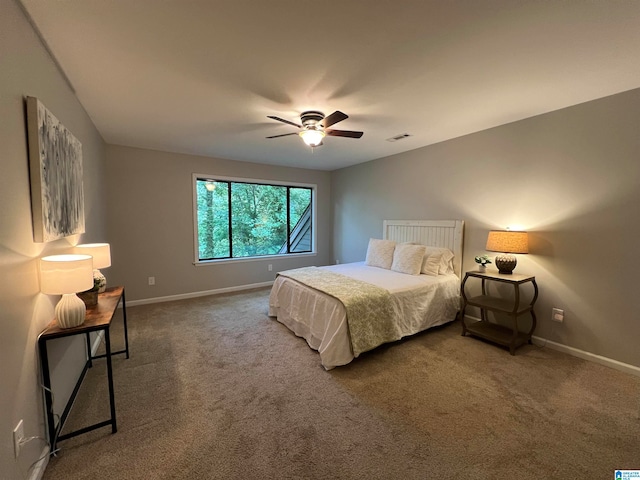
(215, 389)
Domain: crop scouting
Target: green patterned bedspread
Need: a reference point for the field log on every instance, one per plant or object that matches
(370, 314)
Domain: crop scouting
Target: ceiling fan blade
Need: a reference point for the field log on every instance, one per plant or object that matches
(283, 135)
(335, 117)
(284, 121)
(344, 133)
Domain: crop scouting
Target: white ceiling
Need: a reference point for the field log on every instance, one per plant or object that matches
(201, 76)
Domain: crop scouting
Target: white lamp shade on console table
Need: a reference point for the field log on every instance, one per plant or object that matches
(101, 253)
(66, 275)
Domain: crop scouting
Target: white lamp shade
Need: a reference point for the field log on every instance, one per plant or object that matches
(60, 274)
(101, 253)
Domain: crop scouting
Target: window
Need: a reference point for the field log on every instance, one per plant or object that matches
(242, 219)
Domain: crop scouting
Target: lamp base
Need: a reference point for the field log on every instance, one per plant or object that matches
(506, 263)
(70, 311)
(99, 280)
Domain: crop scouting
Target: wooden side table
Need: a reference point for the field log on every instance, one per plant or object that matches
(98, 318)
(509, 337)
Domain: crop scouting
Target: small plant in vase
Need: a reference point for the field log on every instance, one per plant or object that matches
(482, 261)
(90, 297)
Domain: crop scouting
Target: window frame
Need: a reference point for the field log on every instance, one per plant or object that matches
(277, 183)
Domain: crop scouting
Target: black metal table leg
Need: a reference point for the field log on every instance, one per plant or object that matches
(112, 399)
(126, 330)
(46, 383)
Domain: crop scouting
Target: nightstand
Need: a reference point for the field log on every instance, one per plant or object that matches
(514, 307)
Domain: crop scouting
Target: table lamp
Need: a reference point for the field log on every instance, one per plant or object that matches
(507, 242)
(101, 253)
(66, 275)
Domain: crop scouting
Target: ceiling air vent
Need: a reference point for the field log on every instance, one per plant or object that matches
(402, 136)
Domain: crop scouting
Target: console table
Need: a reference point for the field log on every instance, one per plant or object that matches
(98, 318)
(510, 337)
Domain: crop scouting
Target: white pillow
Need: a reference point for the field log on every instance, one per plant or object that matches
(380, 253)
(408, 259)
(447, 268)
(430, 265)
(437, 261)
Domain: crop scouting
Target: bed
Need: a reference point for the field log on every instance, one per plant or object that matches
(345, 310)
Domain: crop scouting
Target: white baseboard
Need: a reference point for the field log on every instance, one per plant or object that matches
(576, 352)
(182, 296)
(37, 472)
(99, 335)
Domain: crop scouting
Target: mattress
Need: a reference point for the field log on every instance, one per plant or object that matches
(419, 302)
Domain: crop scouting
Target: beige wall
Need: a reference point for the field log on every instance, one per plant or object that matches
(27, 69)
(150, 221)
(570, 177)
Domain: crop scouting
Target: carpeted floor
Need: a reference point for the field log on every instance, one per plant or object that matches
(215, 389)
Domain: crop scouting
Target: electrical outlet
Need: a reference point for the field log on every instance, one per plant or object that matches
(18, 437)
(152, 280)
(270, 267)
(557, 315)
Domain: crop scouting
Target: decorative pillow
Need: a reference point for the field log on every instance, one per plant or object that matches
(430, 265)
(437, 261)
(447, 268)
(408, 259)
(380, 253)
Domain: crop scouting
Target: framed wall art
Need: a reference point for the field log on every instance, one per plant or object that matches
(55, 169)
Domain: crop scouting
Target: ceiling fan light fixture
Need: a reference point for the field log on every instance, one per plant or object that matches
(315, 126)
(311, 137)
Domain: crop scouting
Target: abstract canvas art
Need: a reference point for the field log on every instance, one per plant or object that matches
(55, 166)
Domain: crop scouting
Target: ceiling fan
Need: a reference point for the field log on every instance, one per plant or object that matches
(315, 126)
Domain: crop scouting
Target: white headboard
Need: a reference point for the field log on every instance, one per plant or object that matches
(434, 233)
